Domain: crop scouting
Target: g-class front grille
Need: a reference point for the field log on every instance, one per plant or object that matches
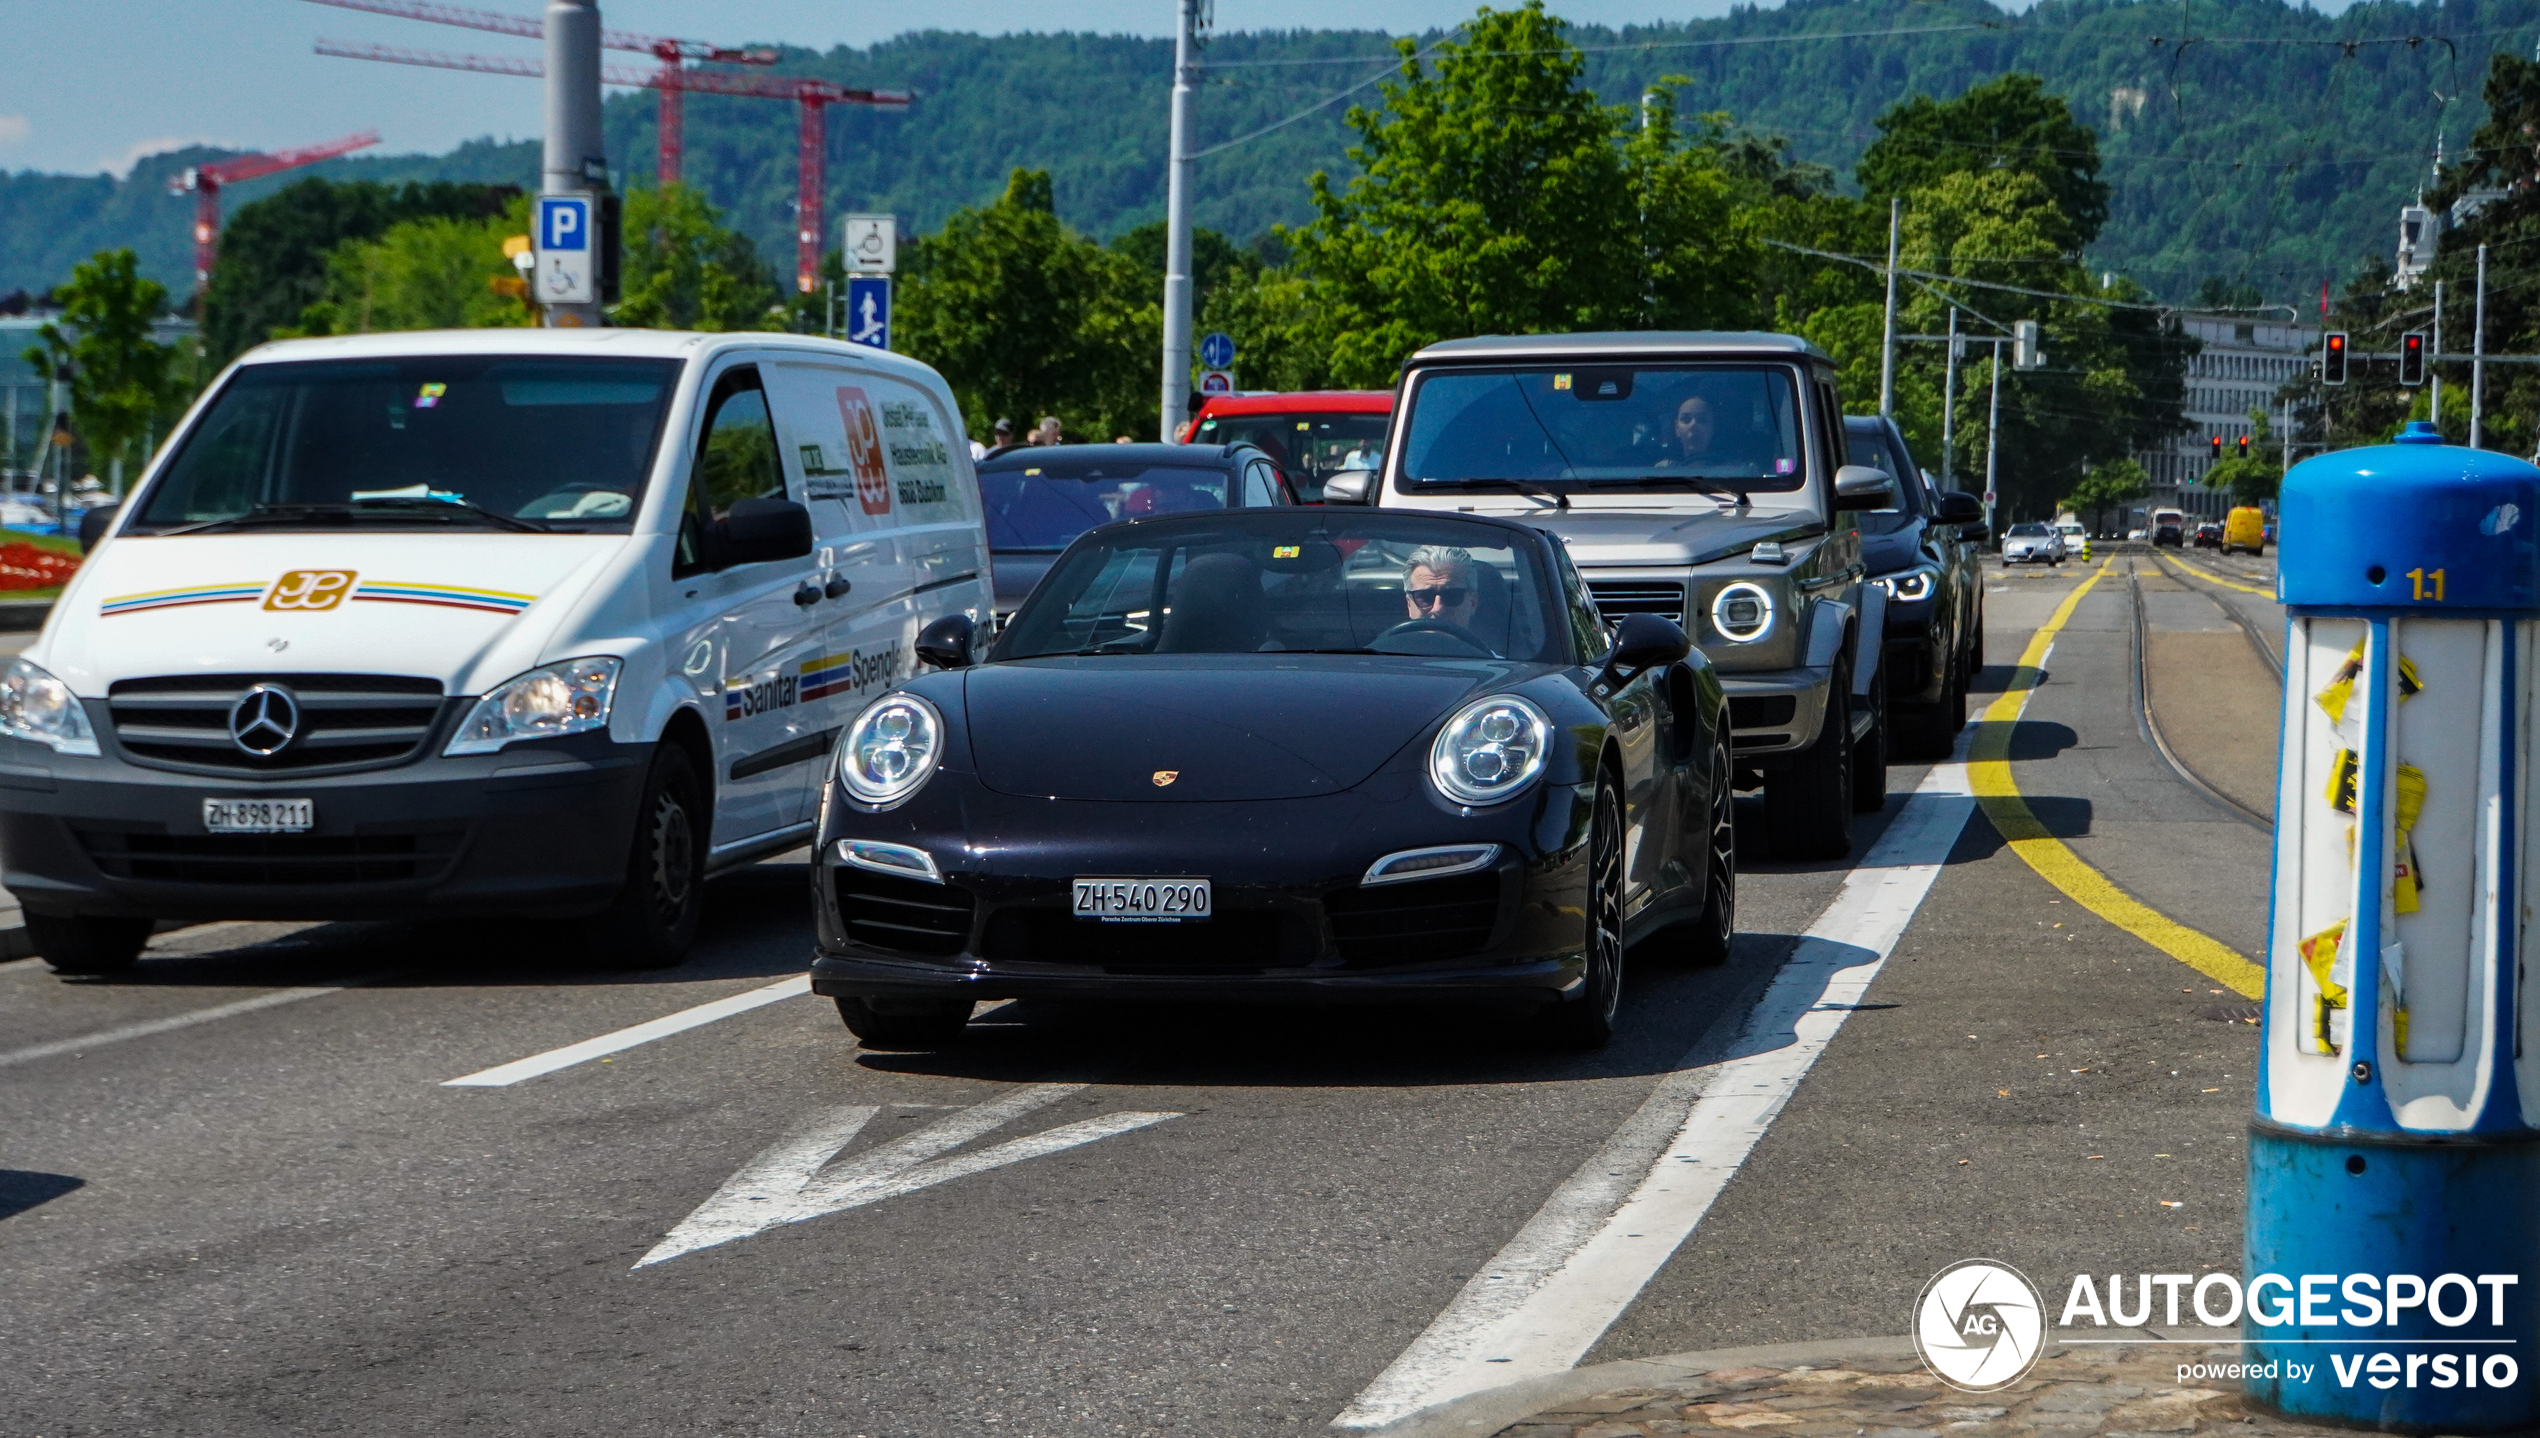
(333, 720)
(1618, 597)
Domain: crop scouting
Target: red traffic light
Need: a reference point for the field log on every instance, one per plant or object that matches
(2333, 358)
(2244, 446)
(2412, 358)
(2218, 446)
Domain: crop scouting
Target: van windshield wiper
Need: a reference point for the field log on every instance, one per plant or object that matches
(418, 504)
(305, 513)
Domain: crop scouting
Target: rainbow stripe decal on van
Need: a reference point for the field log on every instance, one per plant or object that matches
(445, 596)
(179, 598)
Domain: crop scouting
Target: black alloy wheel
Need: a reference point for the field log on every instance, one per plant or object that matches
(654, 918)
(1925, 731)
(72, 945)
(1717, 928)
(897, 1023)
(1808, 806)
(1587, 1022)
(1869, 754)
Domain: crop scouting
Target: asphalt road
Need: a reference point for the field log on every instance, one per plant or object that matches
(269, 1213)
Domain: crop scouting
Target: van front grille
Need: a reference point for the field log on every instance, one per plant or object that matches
(1618, 597)
(343, 720)
(287, 860)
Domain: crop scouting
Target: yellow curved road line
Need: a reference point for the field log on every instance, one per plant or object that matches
(1989, 775)
(2218, 579)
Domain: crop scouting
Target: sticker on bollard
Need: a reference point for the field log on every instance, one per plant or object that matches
(2392, 1242)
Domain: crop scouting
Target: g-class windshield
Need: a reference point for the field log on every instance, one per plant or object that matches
(499, 442)
(1731, 429)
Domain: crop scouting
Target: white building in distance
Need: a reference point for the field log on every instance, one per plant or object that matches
(2243, 364)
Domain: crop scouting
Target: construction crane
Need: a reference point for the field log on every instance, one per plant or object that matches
(811, 144)
(671, 53)
(204, 182)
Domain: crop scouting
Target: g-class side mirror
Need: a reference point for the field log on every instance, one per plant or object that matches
(1959, 507)
(1644, 641)
(756, 531)
(946, 642)
(93, 524)
(1857, 486)
(1350, 486)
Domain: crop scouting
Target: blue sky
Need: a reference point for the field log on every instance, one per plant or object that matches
(94, 84)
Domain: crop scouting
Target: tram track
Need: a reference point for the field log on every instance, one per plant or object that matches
(2148, 723)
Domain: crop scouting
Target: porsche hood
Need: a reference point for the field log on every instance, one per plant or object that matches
(1200, 728)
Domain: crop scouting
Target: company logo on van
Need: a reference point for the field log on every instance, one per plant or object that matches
(318, 591)
(849, 671)
(310, 589)
(864, 450)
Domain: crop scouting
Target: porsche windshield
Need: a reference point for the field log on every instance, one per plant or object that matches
(1728, 427)
(511, 442)
(1297, 581)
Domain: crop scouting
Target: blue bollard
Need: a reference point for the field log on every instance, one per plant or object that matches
(2394, 1172)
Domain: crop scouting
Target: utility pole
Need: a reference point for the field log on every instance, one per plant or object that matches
(1175, 408)
(2478, 357)
(1949, 408)
(1887, 341)
(575, 158)
(1993, 441)
(2434, 371)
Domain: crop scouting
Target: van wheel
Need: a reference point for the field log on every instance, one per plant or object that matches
(1808, 806)
(654, 918)
(87, 946)
(896, 1023)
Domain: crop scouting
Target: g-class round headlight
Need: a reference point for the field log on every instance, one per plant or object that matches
(1492, 750)
(1742, 613)
(890, 749)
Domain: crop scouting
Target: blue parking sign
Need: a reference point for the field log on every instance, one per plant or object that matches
(564, 222)
(869, 310)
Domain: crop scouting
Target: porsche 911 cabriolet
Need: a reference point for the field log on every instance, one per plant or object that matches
(1285, 754)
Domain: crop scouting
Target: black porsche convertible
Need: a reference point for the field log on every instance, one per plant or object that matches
(1283, 754)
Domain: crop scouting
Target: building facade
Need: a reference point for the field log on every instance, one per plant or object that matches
(2243, 364)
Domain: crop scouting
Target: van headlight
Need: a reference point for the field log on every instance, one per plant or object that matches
(1742, 613)
(38, 707)
(568, 698)
(891, 749)
(1492, 750)
(1911, 587)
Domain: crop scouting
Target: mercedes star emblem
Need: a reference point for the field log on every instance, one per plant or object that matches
(264, 720)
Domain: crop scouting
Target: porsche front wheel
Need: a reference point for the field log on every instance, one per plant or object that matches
(1717, 928)
(1587, 1021)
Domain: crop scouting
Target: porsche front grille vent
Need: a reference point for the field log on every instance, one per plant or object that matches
(909, 915)
(1233, 942)
(1618, 597)
(344, 720)
(1414, 923)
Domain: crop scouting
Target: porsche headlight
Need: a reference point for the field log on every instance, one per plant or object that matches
(1911, 587)
(890, 749)
(1742, 613)
(567, 698)
(1493, 749)
(36, 706)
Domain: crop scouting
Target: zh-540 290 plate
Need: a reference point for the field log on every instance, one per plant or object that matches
(1143, 901)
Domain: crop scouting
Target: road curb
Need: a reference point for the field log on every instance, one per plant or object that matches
(1477, 1415)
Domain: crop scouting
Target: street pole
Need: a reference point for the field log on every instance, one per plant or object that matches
(2478, 356)
(1993, 442)
(1949, 409)
(1175, 408)
(2433, 371)
(1887, 341)
(575, 157)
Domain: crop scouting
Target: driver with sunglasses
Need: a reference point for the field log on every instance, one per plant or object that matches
(1438, 584)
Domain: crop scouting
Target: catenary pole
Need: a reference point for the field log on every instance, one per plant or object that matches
(1887, 340)
(1175, 408)
(574, 159)
(1949, 409)
(2478, 357)
(2433, 370)
(1993, 441)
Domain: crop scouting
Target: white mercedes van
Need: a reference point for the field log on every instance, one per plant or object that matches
(546, 623)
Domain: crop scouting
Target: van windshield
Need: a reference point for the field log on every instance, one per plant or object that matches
(511, 442)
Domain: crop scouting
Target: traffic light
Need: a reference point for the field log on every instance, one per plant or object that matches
(2217, 449)
(2412, 358)
(2244, 446)
(2024, 351)
(2333, 358)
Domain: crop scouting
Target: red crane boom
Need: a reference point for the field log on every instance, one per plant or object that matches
(205, 182)
(811, 144)
(669, 51)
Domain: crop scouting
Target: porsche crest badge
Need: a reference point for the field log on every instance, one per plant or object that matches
(1166, 776)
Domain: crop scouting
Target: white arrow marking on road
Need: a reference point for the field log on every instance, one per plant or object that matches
(1547, 1297)
(793, 1180)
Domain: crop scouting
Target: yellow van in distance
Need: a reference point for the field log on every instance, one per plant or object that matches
(2245, 528)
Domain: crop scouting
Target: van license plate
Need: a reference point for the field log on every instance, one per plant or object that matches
(1143, 901)
(259, 816)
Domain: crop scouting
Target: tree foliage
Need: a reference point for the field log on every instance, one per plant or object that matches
(2010, 125)
(2110, 484)
(682, 270)
(422, 274)
(122, 382)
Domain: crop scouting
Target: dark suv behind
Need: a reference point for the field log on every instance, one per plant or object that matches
(1921, 548)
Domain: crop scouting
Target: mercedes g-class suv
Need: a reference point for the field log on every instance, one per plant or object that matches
(1698, 476)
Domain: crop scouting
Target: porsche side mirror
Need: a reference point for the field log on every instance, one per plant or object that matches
(946, 642)
(1350, 486)
(756, 531)
(1857, 486)
(1645, 641)
(1959, 507)
(93, 524)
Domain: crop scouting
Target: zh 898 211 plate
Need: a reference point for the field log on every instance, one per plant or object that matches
(259, 816)
(1143, 901)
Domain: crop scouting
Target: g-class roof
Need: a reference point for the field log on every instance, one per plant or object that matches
(1622, 342)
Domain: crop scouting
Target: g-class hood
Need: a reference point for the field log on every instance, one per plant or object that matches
(1600, 539)
(440, 606)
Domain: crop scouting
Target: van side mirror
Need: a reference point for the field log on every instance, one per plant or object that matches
(93, 524)
(1350, 486)
(757, 531)
(1645, 641)
(1857, 486)
(1959, 507)
(946, 642)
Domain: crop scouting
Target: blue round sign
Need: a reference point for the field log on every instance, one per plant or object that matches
(1217, 349)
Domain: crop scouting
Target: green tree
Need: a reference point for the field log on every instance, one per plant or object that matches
(1025, 317)
(122, 381)
(682, 270)
(2110, 484)
(427, 274)
(2008, 124)
(1281, 342)
(2251, 479)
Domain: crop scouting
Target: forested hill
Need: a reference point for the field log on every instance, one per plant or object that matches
(2242, 138)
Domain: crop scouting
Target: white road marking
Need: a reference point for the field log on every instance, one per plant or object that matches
(788, 1183)
(504, 1075)
(1546, 1298)
(160, 1026)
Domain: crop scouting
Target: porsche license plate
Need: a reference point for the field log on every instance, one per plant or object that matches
(259, 816)
(1143, 901)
